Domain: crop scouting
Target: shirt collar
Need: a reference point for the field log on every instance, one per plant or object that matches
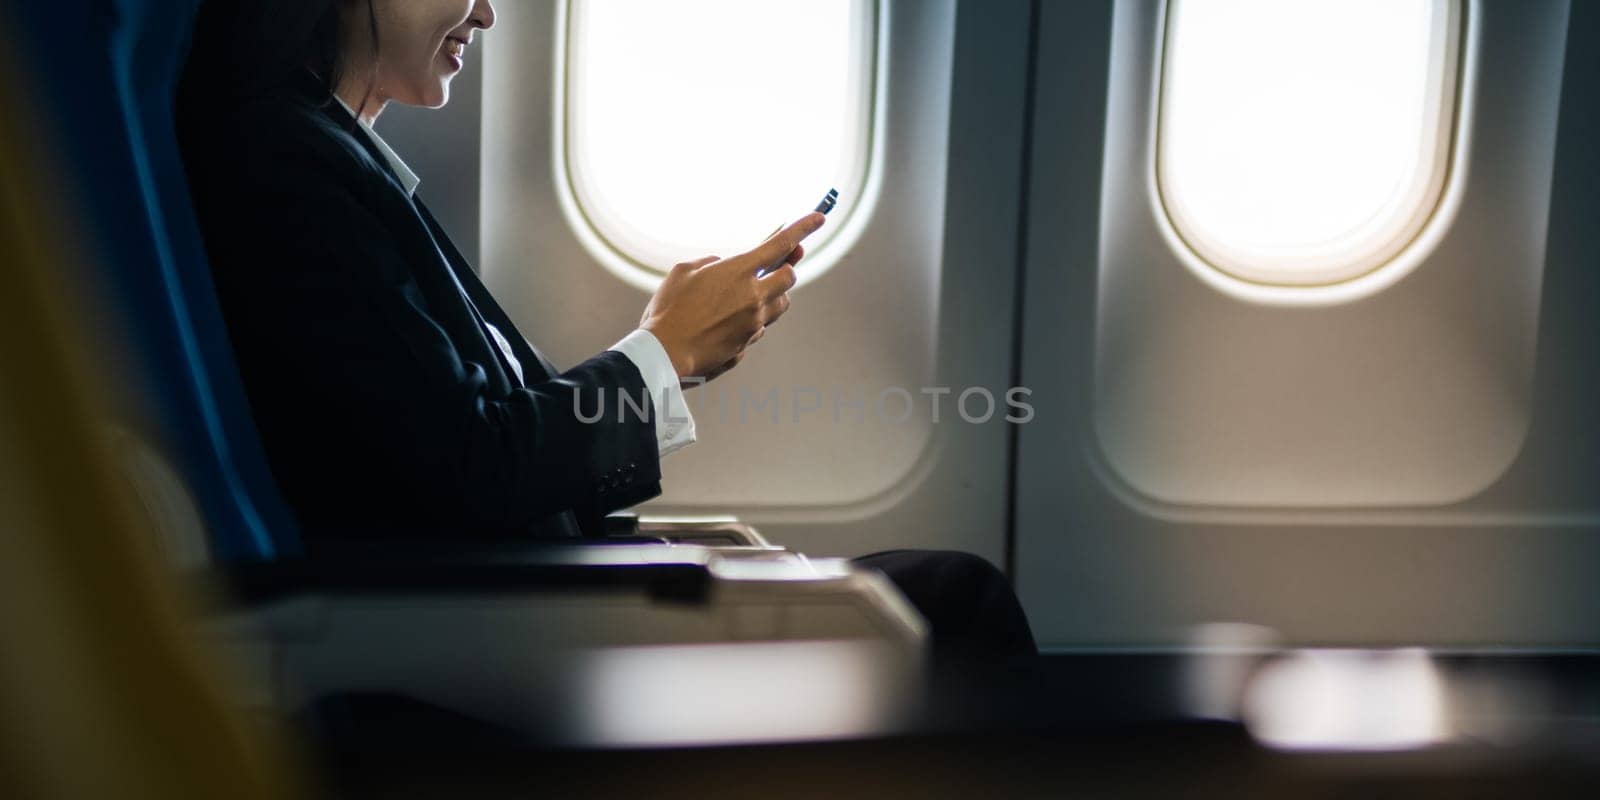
(408, 179)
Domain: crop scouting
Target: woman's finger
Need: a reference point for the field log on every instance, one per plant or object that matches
(795, 255)
(774, 308)
(778, 281)
(778, 246)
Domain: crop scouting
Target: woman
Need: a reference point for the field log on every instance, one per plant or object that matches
(394, 397)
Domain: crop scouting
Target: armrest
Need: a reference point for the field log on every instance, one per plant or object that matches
(711, 531)
(663, 571)
(471, 627)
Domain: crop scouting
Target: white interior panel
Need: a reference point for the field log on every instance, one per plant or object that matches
(1411, 392)
(1103, 564)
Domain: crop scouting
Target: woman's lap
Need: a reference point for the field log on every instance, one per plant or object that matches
(971, 609)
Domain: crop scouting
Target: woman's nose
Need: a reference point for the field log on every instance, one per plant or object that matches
(482, 14)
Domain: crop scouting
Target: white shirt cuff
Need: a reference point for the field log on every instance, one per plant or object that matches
(674, 425)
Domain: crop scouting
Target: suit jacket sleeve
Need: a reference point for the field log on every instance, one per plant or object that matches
(370, 373)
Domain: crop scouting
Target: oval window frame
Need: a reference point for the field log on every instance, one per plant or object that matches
(632, 262)
(1379, 265)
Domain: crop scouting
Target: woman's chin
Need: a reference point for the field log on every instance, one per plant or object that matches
(440, 91)
(436, 96)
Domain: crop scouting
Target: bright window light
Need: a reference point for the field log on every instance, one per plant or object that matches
(1305, 142)
(695, 127)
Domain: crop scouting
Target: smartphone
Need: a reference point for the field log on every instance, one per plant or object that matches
(829, 200)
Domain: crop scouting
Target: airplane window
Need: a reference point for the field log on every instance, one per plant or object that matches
(695, 128)
(1305, 142)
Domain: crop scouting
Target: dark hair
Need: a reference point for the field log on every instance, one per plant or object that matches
(244, 49)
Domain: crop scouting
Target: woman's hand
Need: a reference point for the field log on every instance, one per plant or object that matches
(708, 311)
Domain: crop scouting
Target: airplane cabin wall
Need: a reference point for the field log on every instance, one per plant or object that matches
(1514, 564)
(1096, 567)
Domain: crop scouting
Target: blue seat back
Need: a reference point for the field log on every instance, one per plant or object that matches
(108, 76)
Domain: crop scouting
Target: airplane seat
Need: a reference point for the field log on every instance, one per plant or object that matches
(418, 619)
(108, 96)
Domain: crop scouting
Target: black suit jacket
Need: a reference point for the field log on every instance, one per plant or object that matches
(384, 408)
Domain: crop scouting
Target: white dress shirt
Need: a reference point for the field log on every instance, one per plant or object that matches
(674, 425)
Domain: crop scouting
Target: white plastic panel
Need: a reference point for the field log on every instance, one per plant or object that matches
(1417, 394)
(1100, 562)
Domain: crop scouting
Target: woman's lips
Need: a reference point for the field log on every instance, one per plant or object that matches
(456, 51)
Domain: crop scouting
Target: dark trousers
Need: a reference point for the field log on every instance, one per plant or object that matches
(971, 610)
